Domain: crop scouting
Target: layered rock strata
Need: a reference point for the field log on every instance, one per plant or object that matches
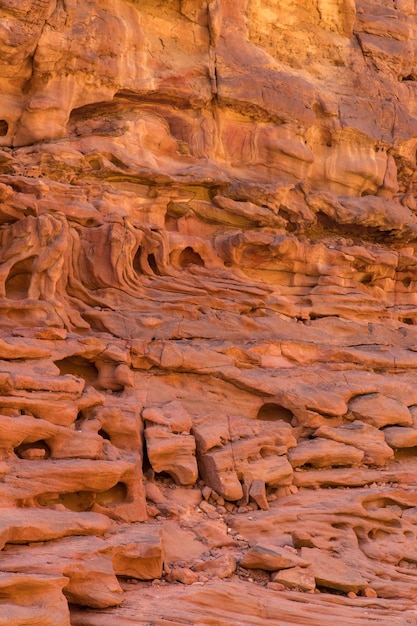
(208, 359)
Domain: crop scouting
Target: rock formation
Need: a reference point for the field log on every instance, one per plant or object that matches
(208, 361)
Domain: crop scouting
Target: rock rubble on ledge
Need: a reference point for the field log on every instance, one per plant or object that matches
(208, 361)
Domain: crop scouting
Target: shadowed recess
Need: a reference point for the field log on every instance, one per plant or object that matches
(272, 412)
(78, 366)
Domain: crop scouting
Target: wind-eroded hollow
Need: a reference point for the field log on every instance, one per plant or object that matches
(78, 366)
(272, 412)
(189, 257)
(18, 280)
(33, 451)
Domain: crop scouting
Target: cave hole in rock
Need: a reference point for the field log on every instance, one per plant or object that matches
(189, 257)
(113, 496)
(80, 113)
(286, 215)
(404, 454)
(353, 231)
(165, 477)
(104, 434)
(117, 162)
(267, 451)
(94, 163)
(408, 320)
(153, 264)
(80, 419)
(381, 502)
(146, 464)
(406, 281)
(4, 128)
(360, 533)
(18, 281)
(33, 451)
(78, 366)
(151, 261)
(378, 533)
(366, 279)
(255, 312)
(136, 261)
(77, 501)
(273, 412)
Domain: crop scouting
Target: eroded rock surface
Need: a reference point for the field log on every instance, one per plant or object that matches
(208, 366)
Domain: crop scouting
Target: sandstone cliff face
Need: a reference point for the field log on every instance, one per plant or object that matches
(208, 361)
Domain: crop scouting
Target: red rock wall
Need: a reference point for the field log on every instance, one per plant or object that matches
(208, 298)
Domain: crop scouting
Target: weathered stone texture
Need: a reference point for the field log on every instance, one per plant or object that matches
(208, 230)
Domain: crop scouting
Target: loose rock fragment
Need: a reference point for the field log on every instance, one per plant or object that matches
(333, 573)
(271, 558)
(301, 578)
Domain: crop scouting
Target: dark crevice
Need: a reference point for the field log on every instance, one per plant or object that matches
(358, 232)
(153, 264)
(104, 434)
